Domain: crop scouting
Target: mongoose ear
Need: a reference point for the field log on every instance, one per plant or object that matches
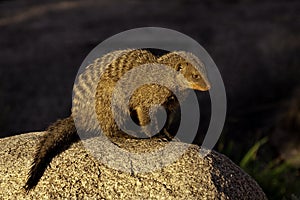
(179, 67)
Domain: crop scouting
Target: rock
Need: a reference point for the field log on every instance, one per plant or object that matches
(77, 174)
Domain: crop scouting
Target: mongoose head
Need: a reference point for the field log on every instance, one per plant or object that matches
(190, 67)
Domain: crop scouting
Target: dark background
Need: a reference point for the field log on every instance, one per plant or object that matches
(255, 45)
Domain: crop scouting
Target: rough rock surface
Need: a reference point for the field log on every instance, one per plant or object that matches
(77, 174)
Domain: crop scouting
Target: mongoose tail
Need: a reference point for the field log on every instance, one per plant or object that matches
(58, 138)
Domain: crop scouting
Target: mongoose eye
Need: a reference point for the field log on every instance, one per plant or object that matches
(195, 76)
(179, 67)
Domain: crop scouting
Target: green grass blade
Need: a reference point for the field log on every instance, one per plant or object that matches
(250, 155)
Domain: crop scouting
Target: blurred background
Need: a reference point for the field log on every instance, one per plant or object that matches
(255, 44)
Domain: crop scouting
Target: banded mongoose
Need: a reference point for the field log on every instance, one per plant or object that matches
(62, 133)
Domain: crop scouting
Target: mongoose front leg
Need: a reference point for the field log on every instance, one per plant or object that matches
(172, 115)
(143, 115)
(144, 119)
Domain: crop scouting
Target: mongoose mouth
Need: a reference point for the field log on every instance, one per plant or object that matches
(195, 86)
